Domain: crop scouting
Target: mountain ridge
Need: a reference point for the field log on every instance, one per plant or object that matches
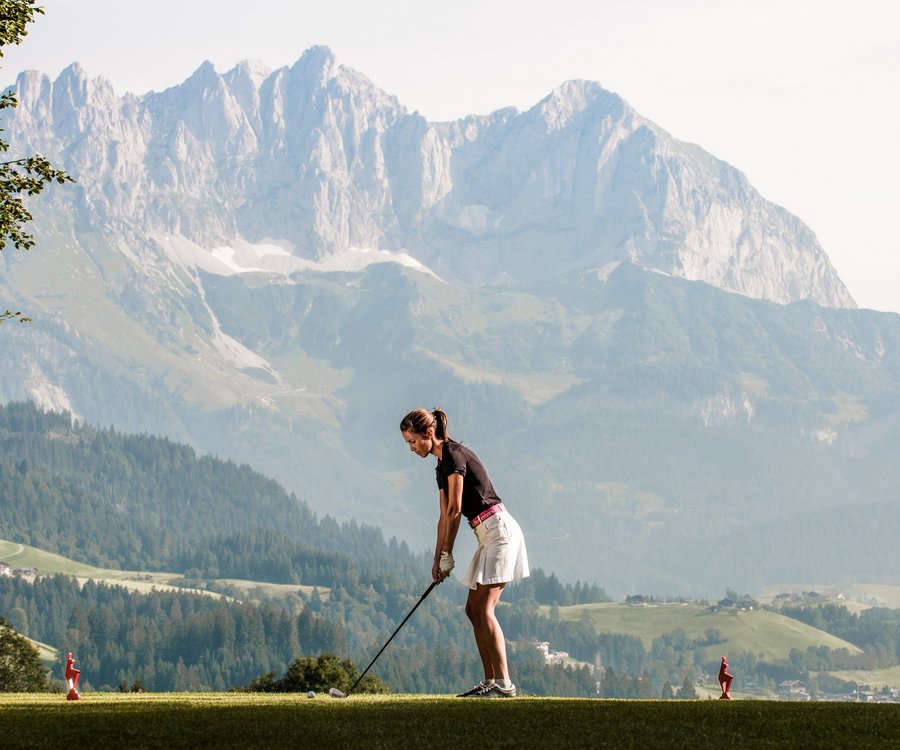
(317, 155)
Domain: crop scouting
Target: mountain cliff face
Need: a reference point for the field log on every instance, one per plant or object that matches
(275, 266)
(319, 159)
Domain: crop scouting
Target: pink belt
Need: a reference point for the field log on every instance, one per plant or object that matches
(485, 514)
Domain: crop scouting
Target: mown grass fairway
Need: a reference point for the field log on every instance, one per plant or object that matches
(294, 721)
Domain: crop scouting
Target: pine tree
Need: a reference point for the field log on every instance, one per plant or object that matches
(687, 690)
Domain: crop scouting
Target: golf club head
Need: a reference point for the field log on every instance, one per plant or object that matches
(335, 693)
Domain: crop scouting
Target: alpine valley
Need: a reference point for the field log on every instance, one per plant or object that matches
(671, 387)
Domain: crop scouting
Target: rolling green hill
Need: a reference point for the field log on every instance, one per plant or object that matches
(856, 596)
(874, 678)
(46, 563)
(768, 635)
(25, 556)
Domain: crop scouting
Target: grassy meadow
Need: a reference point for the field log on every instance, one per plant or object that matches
(769, 635)
(244, 721)
(857, 596)
(23, 556)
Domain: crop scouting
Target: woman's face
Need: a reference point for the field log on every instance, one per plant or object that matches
(418, 443)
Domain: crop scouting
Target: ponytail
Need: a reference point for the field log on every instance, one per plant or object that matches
(440, 428)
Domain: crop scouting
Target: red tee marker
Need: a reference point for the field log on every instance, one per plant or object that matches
(72, 676)
(725, 681)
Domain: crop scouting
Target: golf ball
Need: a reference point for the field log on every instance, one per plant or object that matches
(311, 694)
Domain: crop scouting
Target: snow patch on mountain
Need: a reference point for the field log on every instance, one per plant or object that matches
(278, 257)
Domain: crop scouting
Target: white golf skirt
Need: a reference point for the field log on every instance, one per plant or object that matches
(501, 555)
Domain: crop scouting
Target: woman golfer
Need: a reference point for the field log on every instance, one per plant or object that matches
(466, 490)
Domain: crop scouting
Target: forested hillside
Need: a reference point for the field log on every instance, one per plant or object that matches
(162, 641)
(141, 502)
(182, 641)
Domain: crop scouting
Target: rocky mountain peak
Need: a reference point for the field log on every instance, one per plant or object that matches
(248, 74)
(204, 77)
(572, 98)
(316, 65)
(319, 157)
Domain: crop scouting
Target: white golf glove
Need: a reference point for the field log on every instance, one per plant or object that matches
(446, 564)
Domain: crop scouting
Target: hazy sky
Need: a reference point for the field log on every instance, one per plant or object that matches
(801, 95)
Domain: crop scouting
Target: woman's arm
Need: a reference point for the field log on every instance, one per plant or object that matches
(448, 523)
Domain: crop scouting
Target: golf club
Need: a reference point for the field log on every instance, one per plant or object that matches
(335, 693)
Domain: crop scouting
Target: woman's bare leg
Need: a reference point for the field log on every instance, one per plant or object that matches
(480, 606)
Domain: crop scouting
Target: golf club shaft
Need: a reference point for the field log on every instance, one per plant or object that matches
(421, 599)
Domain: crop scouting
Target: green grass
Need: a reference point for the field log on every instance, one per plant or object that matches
(23, 556)
(874, 678)
(256, 589)
(848, 409)
(769, 635)
(857, 596)
(535, 388)
(254, 721)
